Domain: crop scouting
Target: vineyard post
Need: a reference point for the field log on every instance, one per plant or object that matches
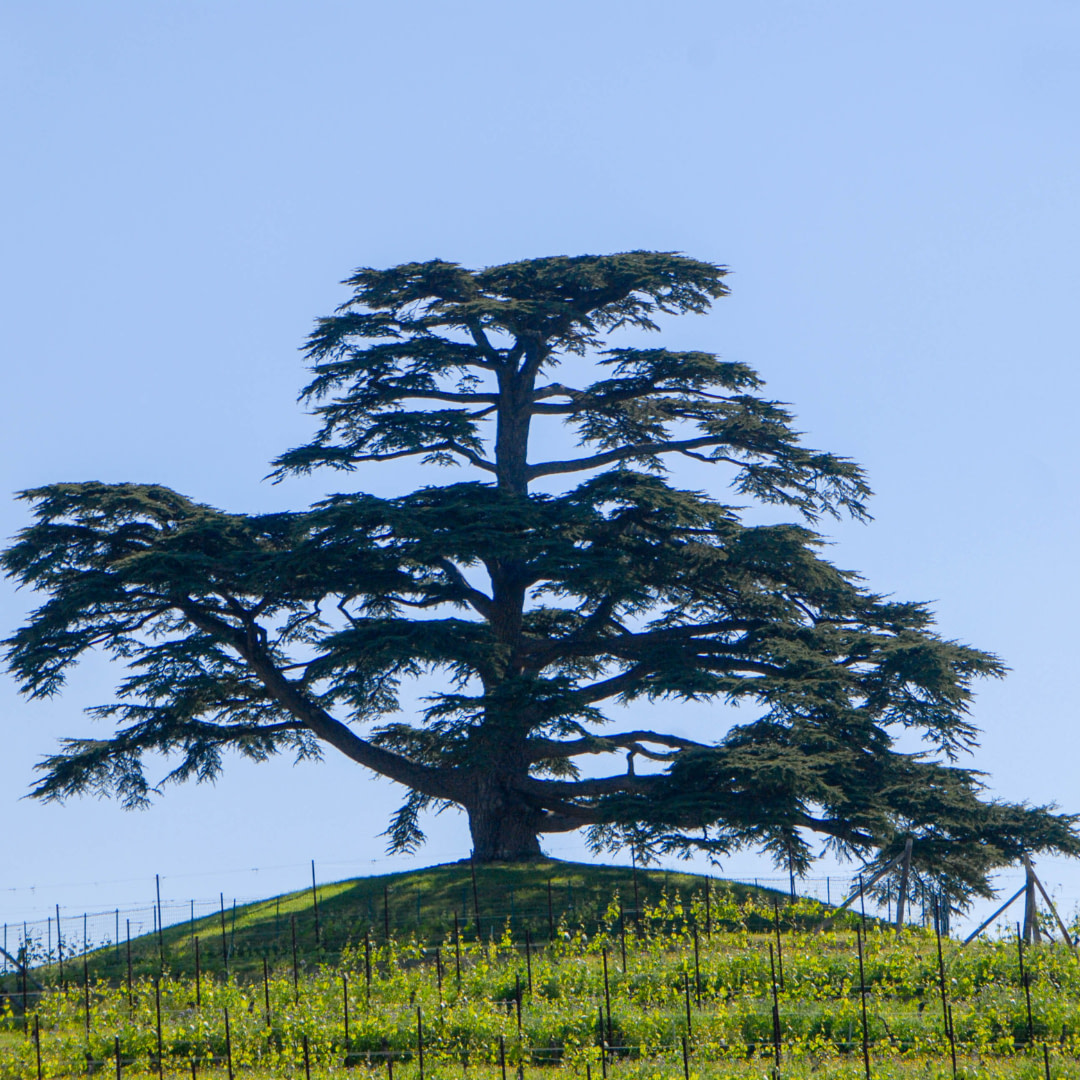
(637, 906)
(160, 931)
(457, 950)
(551, 913)
(37, 1045)
(228, 1044)
(862, 902)
(438, 970)
(622, 935)
(607, 996)
(1026, 983)
(952, 1043)
(708, 907)
(315, 905)
(160, 1049)
(295, 960)
(193, 923)
(1031, 912)
(307, 1060)
(685, 1059)
(502, 1056)
(517, 1001)
(116, 936)
(475, 894)
(266, 991)
(345, 1008)
(386, 911)
(528, 958)
(862, 994)
(941, 970)
(224, 939)
(116, 1049)
(775, 1013)
(86, 997)
(1053, 910)
(986, 922)
(686, 992)
(198, 975)
(367, 965)
(779, 947)
(420, 1041)
(603, 1046)
(131, 991)
(1046, 1060)
(60, 950)
(697, 969)
(901, 898)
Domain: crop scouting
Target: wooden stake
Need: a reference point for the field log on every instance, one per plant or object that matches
(476, 896)
(775, 1011)
(905, 869)
(1031, 913)
(224, 938)
(983, 925)
(1066, 936)
(862, 992)
(228, 1045)
(295, 960)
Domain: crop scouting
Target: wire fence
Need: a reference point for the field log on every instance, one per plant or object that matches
(47, 943)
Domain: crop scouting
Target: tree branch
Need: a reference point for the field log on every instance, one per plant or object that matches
(543, 749)
(622, 453)
(425, 778)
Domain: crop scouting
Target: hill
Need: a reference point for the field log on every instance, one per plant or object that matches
(527, 898)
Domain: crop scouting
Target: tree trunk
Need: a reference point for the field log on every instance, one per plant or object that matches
(502, 830)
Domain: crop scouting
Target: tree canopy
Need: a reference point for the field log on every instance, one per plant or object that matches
(534, 595)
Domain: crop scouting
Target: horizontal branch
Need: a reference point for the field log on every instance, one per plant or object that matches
(622, 453)
(438, 783)
(546, 749)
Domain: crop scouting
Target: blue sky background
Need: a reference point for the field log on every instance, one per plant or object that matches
(895, 188)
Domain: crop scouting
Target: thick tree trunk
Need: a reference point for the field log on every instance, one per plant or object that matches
(502, 829)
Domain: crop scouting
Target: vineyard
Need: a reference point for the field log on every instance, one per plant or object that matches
(692, 982)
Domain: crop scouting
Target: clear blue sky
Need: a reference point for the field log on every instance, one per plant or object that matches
(894, 186)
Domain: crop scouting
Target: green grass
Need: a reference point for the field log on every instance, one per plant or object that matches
(423, 903)
(659, 968)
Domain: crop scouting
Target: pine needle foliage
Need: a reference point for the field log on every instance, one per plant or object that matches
(536, 593)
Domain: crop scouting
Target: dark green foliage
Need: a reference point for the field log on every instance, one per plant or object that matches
(539, 604)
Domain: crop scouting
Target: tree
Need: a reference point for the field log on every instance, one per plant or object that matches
(541, 591)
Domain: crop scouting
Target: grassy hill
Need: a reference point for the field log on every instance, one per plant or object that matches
(528, 898)
(720, 988)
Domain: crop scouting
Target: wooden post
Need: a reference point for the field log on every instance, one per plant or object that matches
(420, 1041)
(228, 1045)
(160, 931)
(475, 896)
(986, 922)
(905, 869)
(224, 937)
(607, 996)
(1031, 910)
(315, 905)
(295, 960)
(1066, 936)
(775, 1011)
(862, 993)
